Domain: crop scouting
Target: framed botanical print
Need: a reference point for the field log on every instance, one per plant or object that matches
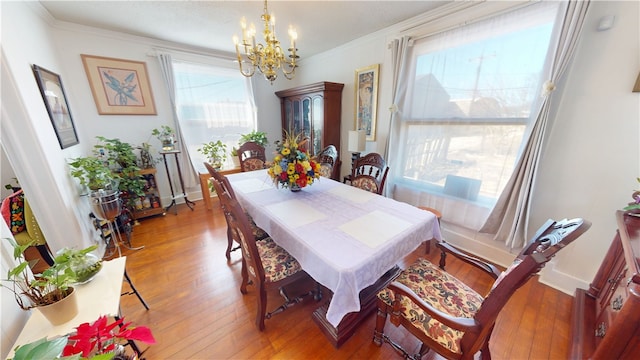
(366, 85)
(119, 87)
(55, 100)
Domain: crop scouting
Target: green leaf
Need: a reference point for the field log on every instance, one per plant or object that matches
(42, 349)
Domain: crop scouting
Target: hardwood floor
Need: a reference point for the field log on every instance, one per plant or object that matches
(197, 310)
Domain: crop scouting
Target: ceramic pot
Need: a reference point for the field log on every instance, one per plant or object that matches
(61, 311)
(295, 188)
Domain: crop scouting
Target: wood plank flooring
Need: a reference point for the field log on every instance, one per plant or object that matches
(197, 310)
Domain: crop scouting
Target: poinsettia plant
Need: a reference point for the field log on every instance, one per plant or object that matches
(102, 338)
(99, 340)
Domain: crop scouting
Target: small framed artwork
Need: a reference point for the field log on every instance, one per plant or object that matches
(55, 100)
(119, 87)
(366, 85)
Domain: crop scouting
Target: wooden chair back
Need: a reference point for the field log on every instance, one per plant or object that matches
(221, 178)
(252, 156)
(370, 173)
(329, 162)
(238, 222)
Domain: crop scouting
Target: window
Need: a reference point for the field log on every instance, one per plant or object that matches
(213, 103)
(471, 93)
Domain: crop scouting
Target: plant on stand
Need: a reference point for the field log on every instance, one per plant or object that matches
(166, 135)
(215, 151)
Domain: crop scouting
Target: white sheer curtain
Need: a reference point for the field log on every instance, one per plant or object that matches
(189, 175)
(212, 101)
(399, 51)
(509, 218)
(471, 98)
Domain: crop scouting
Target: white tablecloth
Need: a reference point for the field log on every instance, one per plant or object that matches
(343, 237)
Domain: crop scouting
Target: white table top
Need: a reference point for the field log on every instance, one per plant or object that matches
(343, 237)
(100, 296)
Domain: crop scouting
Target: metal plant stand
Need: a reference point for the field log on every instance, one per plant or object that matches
(189, 203)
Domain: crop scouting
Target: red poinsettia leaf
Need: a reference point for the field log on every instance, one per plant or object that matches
(141, 333)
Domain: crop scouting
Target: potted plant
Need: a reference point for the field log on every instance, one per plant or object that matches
(50, 291)
(166, 135)
(93, 173)
(215, 152)
(258, 137)
(123, 162)
(98, 340)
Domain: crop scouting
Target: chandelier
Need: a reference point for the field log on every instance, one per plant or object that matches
(267, 57)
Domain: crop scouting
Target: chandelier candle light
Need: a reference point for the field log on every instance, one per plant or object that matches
(268, 57)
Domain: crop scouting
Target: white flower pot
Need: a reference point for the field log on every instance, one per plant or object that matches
(62, 311)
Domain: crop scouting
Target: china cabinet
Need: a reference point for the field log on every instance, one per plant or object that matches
(606, 317)
(313, 110)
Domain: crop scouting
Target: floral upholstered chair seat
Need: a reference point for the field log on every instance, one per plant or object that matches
(253, 164)
(326, 170)
(366, 183)
(277, 262)
(440, 290)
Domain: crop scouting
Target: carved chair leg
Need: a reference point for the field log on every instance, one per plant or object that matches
(229, 243)
(245, 277)
(443, 259)
(381, 319)
(262, 307)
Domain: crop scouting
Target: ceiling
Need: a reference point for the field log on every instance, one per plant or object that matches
(321, 25)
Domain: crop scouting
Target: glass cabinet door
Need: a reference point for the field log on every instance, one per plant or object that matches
(318, 125)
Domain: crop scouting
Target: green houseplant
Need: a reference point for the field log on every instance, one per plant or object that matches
(166, 135)
(93, 173)
(123, 162)
(53, 286)
(215, 152)
(258, 137)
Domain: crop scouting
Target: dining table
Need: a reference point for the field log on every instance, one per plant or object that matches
(347, 239)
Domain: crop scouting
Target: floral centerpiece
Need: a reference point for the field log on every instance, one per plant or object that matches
(292, 166)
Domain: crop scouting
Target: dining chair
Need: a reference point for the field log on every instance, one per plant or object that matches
(225, 185)
(264, 264)
(329, 162)
(448, 316)
(370, 173)
(252, 156)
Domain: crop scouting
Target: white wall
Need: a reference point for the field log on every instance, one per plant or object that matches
(592, 157)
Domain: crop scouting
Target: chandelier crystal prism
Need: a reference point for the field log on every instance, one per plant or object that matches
(267, 57)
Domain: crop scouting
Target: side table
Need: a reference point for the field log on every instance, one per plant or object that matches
(189, 203)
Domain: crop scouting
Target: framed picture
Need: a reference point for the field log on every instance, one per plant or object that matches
(119, 87)
(366, 84)
(55, 100)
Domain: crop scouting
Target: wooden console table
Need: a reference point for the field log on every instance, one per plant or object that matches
(606, 317)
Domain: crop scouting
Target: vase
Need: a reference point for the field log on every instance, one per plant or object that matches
(61, 311)
(295, 188)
